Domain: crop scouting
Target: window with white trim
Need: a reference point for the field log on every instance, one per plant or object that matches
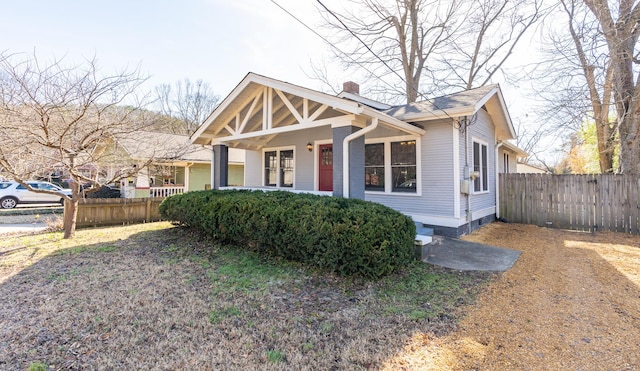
(374, 167)
(480, 167)
(278, 168)
(391, 166)
(403, 166)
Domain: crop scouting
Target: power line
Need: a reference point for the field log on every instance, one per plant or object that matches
(383, 61)
(334, 46)
(357, 62)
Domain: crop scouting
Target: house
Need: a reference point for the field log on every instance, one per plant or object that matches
(530, 169)
(171, 164)
(435, 161)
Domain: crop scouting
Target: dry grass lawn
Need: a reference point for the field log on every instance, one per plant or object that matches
(158, 297)
(155, 296)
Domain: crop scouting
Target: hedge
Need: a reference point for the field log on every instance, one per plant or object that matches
(347, 236)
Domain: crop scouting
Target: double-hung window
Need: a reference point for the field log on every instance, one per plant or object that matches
(278, 168)
(480, 167)
(374, 167)
(391, 166)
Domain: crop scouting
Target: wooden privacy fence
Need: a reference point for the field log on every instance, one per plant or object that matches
(581, 202)
(112, 211)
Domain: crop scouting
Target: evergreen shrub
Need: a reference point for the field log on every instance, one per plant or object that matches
(347, 236)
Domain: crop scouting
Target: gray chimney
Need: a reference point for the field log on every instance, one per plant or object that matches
(351, 87)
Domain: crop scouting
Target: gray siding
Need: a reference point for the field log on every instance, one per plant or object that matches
(483, 130)
(304, 160)
(436, 155)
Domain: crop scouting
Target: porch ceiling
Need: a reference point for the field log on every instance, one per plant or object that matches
(261, 108)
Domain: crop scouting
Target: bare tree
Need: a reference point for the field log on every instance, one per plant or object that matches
(492, 29)
(576, 79)
(452, 43)
(621, 29)
(188, 102)
(54, 116)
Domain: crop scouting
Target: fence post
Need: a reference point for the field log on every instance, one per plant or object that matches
(148, 211)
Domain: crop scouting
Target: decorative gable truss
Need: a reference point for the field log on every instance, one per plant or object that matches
(269, 112)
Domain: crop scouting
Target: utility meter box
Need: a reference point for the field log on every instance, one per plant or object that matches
(464, 186)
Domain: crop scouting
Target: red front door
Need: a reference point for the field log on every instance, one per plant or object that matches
(325, 168)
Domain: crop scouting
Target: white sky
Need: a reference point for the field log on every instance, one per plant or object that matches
(219, 41)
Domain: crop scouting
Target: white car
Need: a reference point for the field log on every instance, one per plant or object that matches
(14, 193)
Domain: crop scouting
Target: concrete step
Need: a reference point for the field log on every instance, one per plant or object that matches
(422, 240)
(422, 230)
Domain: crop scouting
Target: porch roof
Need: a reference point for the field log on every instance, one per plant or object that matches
(260, 108)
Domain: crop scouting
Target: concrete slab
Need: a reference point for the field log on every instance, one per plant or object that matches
(469, 256)
(22, 227)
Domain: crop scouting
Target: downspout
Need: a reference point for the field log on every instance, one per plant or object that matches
(497, 175)
(345, 153)
(467, 172)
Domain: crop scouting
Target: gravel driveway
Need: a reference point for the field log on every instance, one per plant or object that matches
(571, 302)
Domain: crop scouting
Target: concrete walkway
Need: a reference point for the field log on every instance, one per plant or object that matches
(469, 256)
(22, 227)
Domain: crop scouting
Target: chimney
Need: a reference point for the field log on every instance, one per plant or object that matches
(351, 87)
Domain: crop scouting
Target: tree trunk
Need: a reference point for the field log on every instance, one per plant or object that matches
(70, 217)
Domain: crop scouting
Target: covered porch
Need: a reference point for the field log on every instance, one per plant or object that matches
(301, 140)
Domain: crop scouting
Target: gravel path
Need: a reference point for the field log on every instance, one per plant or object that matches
(571, 302)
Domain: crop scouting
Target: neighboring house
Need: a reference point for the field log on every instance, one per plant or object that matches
(435, 161)
(173, 165)
(527, 168)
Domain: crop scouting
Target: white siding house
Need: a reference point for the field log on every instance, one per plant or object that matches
(436, 161)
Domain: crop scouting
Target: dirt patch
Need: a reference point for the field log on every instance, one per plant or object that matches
(571, 301)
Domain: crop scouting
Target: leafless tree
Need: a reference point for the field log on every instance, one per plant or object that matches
(54, 116)
(452, 43)
(187, 102)
(576, 78)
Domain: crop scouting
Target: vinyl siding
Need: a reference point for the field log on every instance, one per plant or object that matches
(437, 178)
(482, 130)
(303, 159)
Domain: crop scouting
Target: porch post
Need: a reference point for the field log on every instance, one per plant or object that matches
(356, 163)
(220, 171)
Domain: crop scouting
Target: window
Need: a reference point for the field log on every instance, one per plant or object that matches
(286, 168)
(391, 166)
(278, 168)
(480, 166)
(403, 166)
(374, 167)
(271, 168)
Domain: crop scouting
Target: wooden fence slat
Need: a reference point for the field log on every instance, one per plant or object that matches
(581, 202)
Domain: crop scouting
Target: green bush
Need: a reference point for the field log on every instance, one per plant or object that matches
(346, 236)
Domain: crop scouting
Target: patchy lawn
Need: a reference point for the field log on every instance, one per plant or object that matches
(159, 297)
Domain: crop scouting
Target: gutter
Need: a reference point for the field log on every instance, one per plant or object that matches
(345, 153)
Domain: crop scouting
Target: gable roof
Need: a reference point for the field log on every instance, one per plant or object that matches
(464, 103)
(240, 111)
(145, 145)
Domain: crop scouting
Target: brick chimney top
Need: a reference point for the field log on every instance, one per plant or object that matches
(351, 87)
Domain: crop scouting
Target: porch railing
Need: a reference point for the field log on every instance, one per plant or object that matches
(165, 191)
